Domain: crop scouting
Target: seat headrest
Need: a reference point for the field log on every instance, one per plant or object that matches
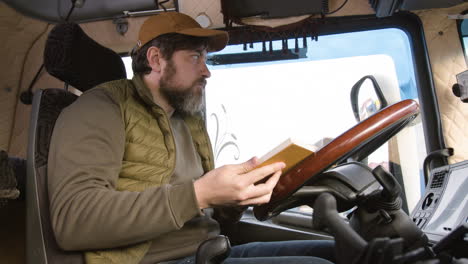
(73, 57)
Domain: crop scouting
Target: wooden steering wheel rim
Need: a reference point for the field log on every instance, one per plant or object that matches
(357, 142)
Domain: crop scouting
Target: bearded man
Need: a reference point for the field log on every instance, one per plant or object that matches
(131, 171)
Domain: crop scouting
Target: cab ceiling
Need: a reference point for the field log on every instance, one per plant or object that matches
(56, 10)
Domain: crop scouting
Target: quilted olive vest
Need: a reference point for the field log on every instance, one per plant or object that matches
(149, 156)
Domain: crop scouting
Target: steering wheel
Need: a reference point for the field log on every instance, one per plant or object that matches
(355, 144)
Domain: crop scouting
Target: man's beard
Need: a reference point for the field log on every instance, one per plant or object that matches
(184, 99)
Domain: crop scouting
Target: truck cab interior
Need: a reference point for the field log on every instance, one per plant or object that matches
(379, 87)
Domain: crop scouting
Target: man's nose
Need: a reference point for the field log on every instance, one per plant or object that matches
(205, 71)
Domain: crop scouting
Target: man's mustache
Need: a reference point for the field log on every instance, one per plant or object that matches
(201, 81)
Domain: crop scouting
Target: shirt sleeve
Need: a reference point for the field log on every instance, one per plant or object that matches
(85, 160)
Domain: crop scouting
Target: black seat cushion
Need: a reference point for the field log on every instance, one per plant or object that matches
(74, 58)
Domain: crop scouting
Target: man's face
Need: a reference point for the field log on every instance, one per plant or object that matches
(183, 80)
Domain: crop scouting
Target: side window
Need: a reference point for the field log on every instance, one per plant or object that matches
(463, 30)
(128, 66)
(255, 100)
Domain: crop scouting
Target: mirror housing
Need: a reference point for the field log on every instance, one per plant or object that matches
(373, 101)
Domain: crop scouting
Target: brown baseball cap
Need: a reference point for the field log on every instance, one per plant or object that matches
(174, 22)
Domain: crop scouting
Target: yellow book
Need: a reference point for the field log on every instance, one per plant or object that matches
(290, 152)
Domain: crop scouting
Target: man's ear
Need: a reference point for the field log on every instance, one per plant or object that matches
(153, 55)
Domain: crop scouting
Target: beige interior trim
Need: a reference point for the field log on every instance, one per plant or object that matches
(447, 60)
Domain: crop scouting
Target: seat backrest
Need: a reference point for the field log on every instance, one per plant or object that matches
(41, 246)
(73, 57)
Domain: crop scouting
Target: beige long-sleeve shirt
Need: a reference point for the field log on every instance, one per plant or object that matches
(88, 213)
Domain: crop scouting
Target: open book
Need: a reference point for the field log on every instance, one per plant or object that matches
(290, 152)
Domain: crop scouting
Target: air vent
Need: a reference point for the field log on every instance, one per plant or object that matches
(438, 179)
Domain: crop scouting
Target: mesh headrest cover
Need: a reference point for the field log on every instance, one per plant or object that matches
(74, 58)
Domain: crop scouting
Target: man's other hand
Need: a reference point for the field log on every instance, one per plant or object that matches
(235, 184)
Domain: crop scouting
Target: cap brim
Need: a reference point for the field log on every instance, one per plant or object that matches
(218, 39)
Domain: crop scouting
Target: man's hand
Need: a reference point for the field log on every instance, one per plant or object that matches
(235, 184)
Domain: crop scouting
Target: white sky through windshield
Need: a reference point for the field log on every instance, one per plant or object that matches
(257, 107)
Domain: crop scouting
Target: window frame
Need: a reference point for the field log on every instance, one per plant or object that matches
(412, 26)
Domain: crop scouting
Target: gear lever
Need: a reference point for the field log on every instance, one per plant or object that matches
(213, 250)
(380, 214)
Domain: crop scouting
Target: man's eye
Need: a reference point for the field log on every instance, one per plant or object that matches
(196, 57)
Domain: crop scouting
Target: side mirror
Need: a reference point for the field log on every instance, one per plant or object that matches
(366, 98)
